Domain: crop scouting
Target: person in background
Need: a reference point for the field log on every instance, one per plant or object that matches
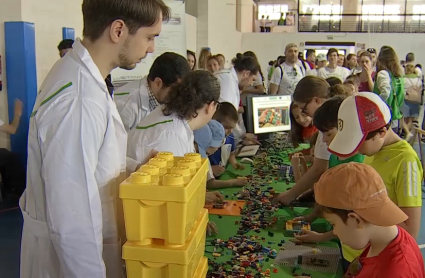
(359, 53)
(302, 63)
(299, 161)
(290, 19)
(374, 55)
(262, 24)
(258, 87)
(269, 68)
(367, 74)
(268, 24)
(351, 85)
(302, 128)
(410, 110)
(191, 59)
(282, 20)
(341, 60)
(221, 61)
(310, 93)
(136, 99)
(213, 65)
(189, 106)
(355, 202)
(203, 58)
(352, 63)
(321, 62)
(410, 60)
(12, 171)
(65, 46)
(389, 84)
(333, 69)
(286, 77)
(311, 58)
(77, 146)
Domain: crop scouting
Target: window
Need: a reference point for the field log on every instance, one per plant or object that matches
(381, 12)
(323, 12)
(272, 11)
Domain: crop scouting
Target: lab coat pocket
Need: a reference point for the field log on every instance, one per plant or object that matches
(112, 259)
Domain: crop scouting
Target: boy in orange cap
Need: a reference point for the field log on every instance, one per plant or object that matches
(363, 216)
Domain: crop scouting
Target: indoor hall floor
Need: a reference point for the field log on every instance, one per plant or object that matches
(11, 228)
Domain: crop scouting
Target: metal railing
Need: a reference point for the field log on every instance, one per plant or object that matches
(355, 23)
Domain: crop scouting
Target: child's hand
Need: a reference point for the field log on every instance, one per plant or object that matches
(218, 170)
(18, 108)
(213, 197)
(239, 182)
(238, 166)
(310, 236)
(212, 229)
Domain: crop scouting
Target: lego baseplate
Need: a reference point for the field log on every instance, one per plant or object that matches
(314, 257)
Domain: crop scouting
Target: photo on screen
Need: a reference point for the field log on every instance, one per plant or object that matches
(271, 114)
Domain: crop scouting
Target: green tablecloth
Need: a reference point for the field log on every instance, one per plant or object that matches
(228, 228)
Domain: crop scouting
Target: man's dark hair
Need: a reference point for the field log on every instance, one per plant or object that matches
(226, 111)
(196, 89)
(326, 116)
(99, 14)
(169, 67)
(332, 50)
(372, 134)
(410, 57)
(65, 44)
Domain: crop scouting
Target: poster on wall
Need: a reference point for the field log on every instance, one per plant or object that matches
(171, 39)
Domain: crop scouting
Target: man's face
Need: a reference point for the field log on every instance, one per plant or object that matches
(333, 58)
(213, 66)
(64, 51)
(329, 135)
(340, 61)
(136, 47)
(292, 54)
(312, 57)
(321, 64)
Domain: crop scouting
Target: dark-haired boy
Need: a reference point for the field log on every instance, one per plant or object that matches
(364, 124)
(228, 117)
(355, 201)
(136, 99)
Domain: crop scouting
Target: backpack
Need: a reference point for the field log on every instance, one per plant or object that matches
(396, 98)
(414, 93)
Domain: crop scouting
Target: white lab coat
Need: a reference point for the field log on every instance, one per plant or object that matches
(229, 86)
(161, 133)
(76, 153)
(132, 102)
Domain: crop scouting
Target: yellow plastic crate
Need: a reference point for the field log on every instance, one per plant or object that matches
(201, 271)
(163, 212)
(159, 261)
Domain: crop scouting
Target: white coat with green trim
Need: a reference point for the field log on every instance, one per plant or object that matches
(132, 102)
(76, 152)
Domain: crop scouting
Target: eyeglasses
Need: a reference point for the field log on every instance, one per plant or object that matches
(305, 107)
(354, 268)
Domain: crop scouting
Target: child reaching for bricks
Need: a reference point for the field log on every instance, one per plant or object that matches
(326, 120)
(302, 128)
(364, 217)
(207, 141)
(299, 161)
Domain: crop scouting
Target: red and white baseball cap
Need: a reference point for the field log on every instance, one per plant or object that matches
(357, 116)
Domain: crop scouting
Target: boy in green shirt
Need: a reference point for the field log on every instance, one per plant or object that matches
(364, 122)
(326, 120)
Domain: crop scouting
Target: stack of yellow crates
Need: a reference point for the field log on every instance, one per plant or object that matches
(165, 219)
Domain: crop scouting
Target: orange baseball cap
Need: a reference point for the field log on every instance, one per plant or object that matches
(358, 187)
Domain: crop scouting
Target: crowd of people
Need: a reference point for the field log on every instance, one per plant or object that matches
(85, 136)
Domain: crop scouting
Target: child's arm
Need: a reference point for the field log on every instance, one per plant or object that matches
(312, 216)
(235, 164)
(408, 190)
(315, 237)
(218, 184)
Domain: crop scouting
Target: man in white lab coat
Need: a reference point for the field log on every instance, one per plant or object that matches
(77, 146)
(170, 127)
(138, 98)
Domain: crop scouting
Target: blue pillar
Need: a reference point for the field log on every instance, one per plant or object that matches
(21, 76)
(68, 33)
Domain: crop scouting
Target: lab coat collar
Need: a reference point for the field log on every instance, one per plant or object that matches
(234, 75)
(87, 60)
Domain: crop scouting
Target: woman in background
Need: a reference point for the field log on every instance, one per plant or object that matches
(367, 75)
(203, 58)
(213, 65)
(191, 59)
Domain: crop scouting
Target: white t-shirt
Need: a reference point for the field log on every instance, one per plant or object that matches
(321, 149)
(290, 78)
(1, 123)
(311, 72)
(229, 86)
(162, 133)
(339, 72)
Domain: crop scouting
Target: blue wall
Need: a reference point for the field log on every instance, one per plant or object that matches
(21, 76)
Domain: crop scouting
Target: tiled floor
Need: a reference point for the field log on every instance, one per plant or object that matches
(11, 228)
